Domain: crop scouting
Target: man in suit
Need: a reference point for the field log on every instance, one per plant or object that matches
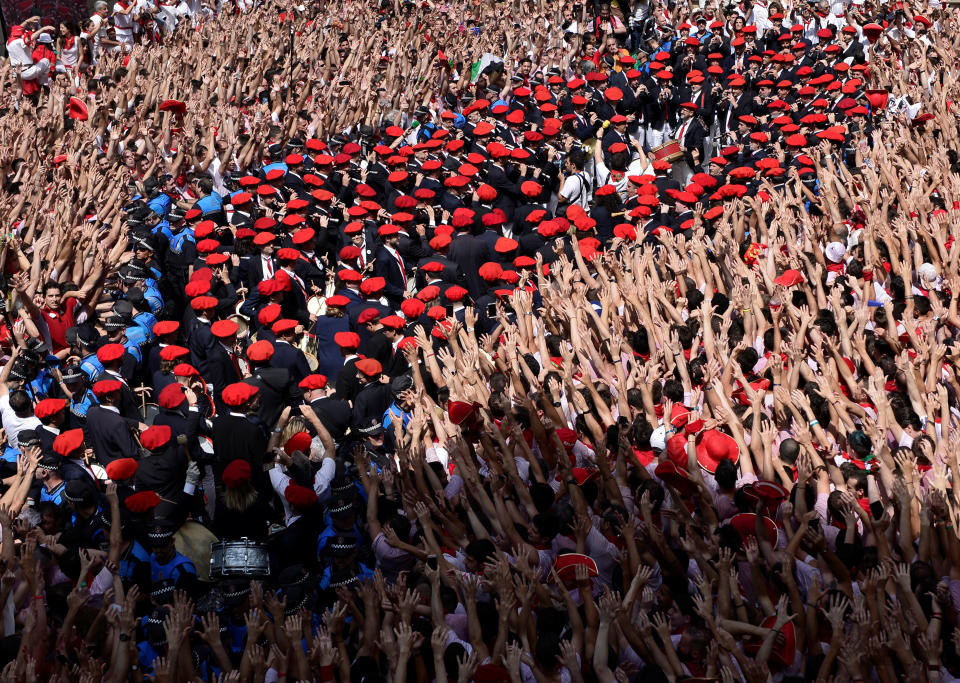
(260, 266)
(285, 353)
(294, 302)
(179, 411)
(67, 455)
(347, 385)
(236, 436)
(200, 339)
(113, 357)
(374, 396)
(163, 468)
(691, 136)
(333, 412)
(223, 366)
(310, 267)
(390, 265)
(276, 388)
(110, 435)
(469, 253)
(738, 103)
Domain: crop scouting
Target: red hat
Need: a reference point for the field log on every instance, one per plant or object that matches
(369, 367)
(393, 322)
(164, 327)
(260, 351)
(142, 501)
(77, 109)
(224, 328)
(109, 353)
(677, 477)
(298, 442)
(455, 293)
(299, 496)
(122, 468)
(566, 565)
(49, 407)
(67, 442)
(284, 325)
(789, 278)
(715, 446)
(462, 413)
(268, 314)
(172, 352)
(106, 386)
(372, 285)
(203, 303)
(288, 254)
(185, 370)
(237, 472)
(347, 340)
(367, 315)
(156, 437)
(238, 393)
(311, 382)
(412, 308)
(171, 396)
(348, 275)
(337, 300)
(746, 525)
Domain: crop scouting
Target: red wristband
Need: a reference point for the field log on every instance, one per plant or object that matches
(326, 672)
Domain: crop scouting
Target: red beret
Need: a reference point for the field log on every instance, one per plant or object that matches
(311, 382)
(372, 285)
(110, 352)
(166, 327)
(268, 314)
(288, 254)
(48, 407)
(393, 322)
(348, 275)
(299, 496)
(260, 351)
(185, 370)
(298, 442)
(173, 352)
(123, 468)
(106, 386)
(67, 442)
(455, 293)
(412, 308)
(224, 328)
(369, 367)
(284, 325)
(368, 315)
(202, 303)
(238, 393)
(156, 437)
(142, 501)
(171, 396)
(236, 473)
(337, 300)
(303, 236)
(196, 288)
(347, 340)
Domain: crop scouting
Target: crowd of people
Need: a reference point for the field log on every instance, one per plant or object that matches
(488, 341)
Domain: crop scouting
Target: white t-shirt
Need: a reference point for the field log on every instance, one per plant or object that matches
(12, 423)
(576, 190)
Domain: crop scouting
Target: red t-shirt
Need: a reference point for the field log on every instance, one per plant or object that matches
(58, 322)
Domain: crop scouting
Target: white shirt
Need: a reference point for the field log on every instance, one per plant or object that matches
(12, 423)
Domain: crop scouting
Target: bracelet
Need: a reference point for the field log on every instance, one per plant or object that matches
(814, 423)
(745, 310)
(908, 298)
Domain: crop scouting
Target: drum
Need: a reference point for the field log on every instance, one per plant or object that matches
(312, 362)
(668, 151)
(243, 324)
(194, 540)
(239, 558)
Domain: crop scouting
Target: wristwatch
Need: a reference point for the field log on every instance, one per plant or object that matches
(124, 637)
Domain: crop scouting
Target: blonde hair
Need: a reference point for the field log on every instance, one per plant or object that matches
(296, 425)
(239, 498)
